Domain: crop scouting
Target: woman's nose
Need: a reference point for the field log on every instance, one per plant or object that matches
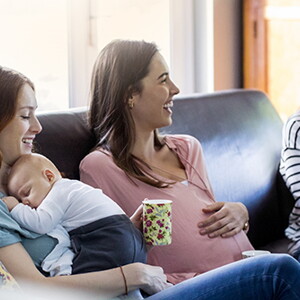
(174, 89)
(35, 125)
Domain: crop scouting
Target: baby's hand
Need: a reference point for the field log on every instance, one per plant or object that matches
(10, 201)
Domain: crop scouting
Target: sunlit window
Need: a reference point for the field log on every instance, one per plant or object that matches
(34, 41)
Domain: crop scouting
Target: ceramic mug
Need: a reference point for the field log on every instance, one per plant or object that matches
(252, 253)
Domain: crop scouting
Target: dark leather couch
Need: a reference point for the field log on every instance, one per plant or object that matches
(240, 132)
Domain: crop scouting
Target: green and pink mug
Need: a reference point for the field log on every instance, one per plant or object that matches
(157, 221)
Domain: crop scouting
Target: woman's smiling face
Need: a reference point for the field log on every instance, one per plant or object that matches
(152, 106)
(17, 136)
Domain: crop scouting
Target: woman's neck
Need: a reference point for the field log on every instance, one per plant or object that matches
(144, 147)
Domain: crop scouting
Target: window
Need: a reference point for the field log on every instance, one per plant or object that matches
(271, 55)
(34, 41)
(95, 23)
(55, 43)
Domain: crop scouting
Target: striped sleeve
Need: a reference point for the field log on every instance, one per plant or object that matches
(290, 170)
(290, 156)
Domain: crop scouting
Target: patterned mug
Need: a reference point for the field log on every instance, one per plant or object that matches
(157, 221)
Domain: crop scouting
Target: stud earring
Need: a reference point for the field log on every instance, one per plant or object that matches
(130, 104)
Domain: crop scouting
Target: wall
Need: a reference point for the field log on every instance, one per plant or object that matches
(228, 44)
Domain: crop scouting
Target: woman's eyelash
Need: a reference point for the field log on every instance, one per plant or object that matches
(25, 117)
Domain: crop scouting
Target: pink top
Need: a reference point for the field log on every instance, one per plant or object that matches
(190, 253)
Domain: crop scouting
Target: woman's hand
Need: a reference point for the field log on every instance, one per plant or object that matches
(150, 279)
(10, 202)
(226, 219)
(136, 218)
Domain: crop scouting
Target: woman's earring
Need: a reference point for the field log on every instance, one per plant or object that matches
(130, 103)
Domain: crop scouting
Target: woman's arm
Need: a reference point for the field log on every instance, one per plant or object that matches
(108, 283)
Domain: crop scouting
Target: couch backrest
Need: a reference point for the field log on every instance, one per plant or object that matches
(240, 132)
(65, 139)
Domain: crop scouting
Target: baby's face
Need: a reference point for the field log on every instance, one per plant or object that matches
(29, 186)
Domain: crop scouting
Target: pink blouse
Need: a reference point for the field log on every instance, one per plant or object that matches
(190, 253)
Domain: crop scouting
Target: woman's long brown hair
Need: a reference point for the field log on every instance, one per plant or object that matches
(117, 74)
(11, 82)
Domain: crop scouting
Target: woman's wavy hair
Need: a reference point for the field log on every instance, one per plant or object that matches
(117, 74)
(11, 82)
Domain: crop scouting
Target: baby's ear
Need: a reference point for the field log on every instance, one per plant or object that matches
(49, 175)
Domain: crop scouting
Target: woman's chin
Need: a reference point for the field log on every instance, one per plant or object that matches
(169, 122)
(26, 149)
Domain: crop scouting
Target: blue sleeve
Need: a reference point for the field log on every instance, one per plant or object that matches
(8, 237)
(38, 246)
